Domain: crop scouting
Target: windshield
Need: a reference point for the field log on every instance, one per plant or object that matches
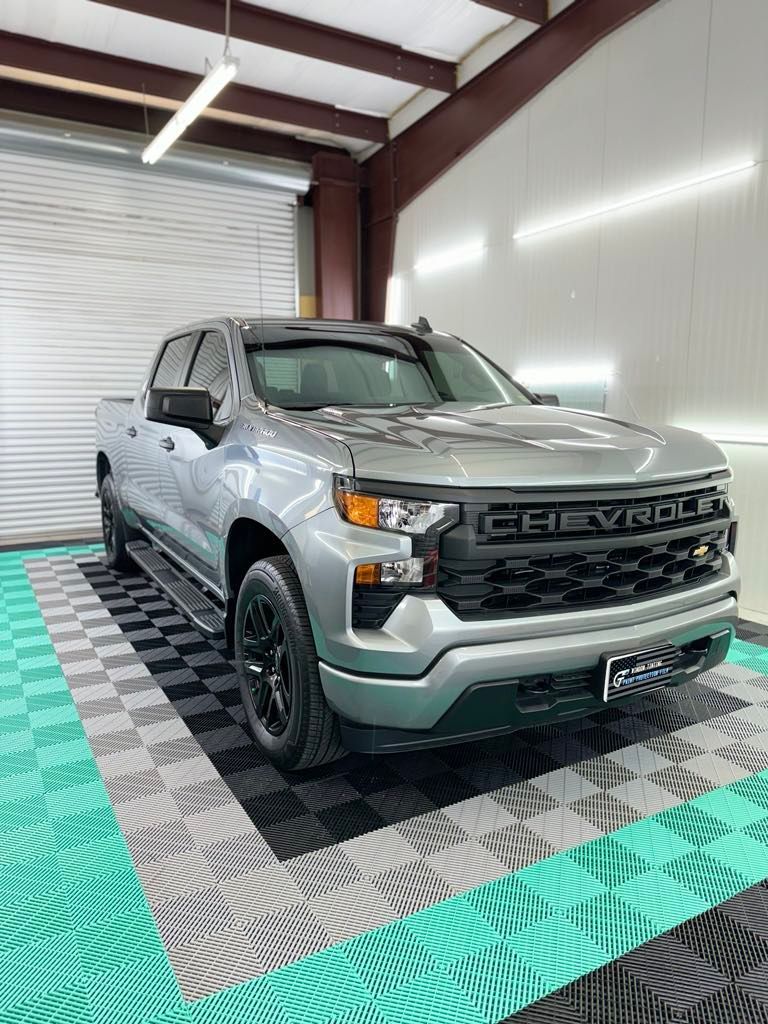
(309, 368)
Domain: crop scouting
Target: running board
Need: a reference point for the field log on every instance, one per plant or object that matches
(202, 612)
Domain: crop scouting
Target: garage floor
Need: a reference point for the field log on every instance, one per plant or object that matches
(154, 867)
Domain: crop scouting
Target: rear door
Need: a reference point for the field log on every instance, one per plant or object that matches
(145, 467)
(191, 475)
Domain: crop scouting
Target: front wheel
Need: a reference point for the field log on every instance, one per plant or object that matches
(277, 667)
(116, 533)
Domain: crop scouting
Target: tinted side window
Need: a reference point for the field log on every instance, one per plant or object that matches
(210, 369)
(171, 361)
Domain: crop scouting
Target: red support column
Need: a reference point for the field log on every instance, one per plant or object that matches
(335, 202)
(378, 234)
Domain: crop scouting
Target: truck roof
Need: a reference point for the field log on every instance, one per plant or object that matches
(417, 329)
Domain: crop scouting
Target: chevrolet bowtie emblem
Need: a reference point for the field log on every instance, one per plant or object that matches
(700, 551)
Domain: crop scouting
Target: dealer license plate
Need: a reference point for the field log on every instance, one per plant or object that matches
(638, 670)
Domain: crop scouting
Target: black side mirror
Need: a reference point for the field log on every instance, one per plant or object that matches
(180, 407)
(548, 399)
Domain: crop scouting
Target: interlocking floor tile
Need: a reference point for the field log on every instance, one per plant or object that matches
(711, 969)
(281, 868)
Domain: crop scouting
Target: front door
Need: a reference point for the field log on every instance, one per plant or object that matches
(144, 464)
(192, 472)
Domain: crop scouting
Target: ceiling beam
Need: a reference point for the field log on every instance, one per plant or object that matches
(410, 163)
(89, 66)
(108, 113)
(297, 35)
(529, 10)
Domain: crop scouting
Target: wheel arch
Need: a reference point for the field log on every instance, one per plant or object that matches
(103, 467)
(247, 542)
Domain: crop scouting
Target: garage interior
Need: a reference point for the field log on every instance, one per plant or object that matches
(578, 189)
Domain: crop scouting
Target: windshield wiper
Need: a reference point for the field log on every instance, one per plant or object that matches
(345, 405)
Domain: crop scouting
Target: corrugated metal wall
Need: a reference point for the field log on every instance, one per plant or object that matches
(96, 264)
(671, 293)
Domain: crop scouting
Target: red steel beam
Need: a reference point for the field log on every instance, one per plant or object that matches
(335, 207)
(528, 10)
(401, 170)
(108, 113)
(297, 35)
(31, 54)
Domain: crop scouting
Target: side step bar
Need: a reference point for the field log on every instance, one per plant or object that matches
(202, 612)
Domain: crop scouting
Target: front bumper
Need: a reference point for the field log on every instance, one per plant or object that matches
(325, 550)
(409, 674)
(480, 690)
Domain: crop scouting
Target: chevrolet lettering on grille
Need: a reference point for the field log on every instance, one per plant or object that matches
(605, 520)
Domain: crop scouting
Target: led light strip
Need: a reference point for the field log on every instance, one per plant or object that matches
(223, 71)
(643, 197)
(449, 257)
(539, 375)
(756, 439)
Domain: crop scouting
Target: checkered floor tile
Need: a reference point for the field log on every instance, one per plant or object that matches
(247, 869)
(712, 969)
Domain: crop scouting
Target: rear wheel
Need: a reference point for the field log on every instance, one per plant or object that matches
(116, 534)
(277, 666)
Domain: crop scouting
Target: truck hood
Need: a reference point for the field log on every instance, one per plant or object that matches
(506, 445)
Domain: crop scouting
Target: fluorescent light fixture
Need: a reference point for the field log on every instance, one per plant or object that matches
(223, 71)
(450, 258)
(758, 439)
(543, 375)
(641, 197)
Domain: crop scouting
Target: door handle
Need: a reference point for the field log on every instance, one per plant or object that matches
(167, 443)
(131, 431)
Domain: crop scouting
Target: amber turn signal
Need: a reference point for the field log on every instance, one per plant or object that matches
(361, 509)
(368, 573)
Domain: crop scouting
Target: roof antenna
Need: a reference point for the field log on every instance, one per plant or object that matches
(422, 325)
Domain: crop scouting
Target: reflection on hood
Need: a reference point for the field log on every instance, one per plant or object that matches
(505, 445)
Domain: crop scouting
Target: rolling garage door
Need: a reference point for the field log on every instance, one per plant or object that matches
(97, 262)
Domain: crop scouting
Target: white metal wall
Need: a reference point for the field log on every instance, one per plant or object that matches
(672, 293)
(96, 264)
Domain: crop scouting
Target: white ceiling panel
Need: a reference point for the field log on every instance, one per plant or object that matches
(452, 29)
(124, 34)
(449, 27)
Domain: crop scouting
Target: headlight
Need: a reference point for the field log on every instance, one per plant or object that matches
(380, 586)
(401, 515)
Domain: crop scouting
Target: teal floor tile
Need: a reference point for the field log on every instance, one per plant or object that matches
(452, 930)
(432, 997)
(561, 882)
(497, 981)
(558, 951)
(392, 948)
(661, 898)
(330, 973)
(742, 853)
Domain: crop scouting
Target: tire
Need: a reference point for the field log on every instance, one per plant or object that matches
(116, 533)
(276, 660)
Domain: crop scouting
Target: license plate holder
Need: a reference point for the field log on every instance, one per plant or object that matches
(638, 671)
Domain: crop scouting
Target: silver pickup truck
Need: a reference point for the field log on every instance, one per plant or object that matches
(404, 547)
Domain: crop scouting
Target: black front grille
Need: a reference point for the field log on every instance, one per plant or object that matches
(623, 569)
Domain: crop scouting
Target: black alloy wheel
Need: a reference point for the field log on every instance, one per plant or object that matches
(108, 520)
(277, 666)
(268, 665)
(115, 530)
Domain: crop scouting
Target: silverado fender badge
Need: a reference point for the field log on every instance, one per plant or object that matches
(259, 430)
